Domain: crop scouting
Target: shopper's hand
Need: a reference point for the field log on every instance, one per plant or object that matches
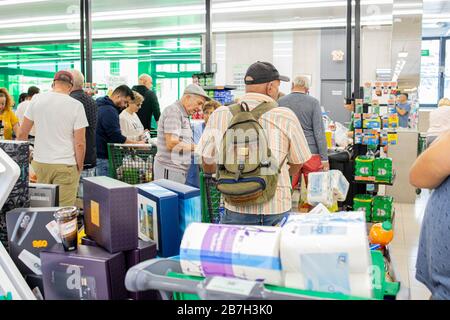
(325, 165)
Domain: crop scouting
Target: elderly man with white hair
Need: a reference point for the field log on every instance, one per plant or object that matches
(150, 106)
(308, 111)
(90, 108)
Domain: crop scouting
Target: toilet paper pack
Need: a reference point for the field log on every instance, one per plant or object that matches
(246, 252)
(339, 185)
(319, 189)
(327, 251)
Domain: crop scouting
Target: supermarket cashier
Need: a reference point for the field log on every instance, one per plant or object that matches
(8, 119)
(175, 135)
(403, 108)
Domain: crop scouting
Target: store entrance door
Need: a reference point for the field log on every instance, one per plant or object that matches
(332, 99)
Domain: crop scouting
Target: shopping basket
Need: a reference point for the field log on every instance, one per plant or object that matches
(166, 276)
(211, 199)
(131, 163)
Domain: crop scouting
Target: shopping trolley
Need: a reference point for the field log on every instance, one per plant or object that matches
(131, 163)
(212, 207)
(166, 276)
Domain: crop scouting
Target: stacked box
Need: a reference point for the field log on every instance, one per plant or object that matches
(44, 195)
(19, 151)
(189, 202)
(364, 166)
(159, 220)
(30, 231)
(383, 208)
(110, 213)
(382, 170)
(89, 273)
(146, 250)
(363, 202)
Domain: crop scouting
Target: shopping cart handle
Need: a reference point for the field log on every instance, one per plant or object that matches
(152, 275)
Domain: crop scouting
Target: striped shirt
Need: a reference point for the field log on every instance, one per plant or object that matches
(286, 140)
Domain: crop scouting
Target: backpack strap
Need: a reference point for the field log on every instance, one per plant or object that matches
(262, 109)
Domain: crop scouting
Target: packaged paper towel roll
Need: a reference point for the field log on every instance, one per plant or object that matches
(339, 185)
(319, 189)
(246, 252)
(342, 235)
(326, 250)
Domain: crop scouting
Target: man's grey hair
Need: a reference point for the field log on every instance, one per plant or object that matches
(145, 76)
(301, 82)
(78, 78)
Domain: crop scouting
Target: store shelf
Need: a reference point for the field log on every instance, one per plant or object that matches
(226, 87)
(371, 180)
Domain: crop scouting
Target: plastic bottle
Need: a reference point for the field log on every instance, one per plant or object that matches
(381, 233)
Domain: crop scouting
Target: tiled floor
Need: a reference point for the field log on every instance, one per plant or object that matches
(408, 220)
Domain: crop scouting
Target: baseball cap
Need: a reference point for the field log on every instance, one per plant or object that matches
(65, 76)
(263, 72)
(197, 90)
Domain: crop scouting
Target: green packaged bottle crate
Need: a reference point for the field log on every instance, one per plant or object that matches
(364, 166)
(382, 169)
(383, 208)
(363, 202)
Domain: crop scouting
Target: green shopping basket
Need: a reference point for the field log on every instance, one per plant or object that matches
(131, 163)
(211, 199)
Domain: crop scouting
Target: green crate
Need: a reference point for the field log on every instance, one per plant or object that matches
(132, 164)
(363, 202)
(381, 288)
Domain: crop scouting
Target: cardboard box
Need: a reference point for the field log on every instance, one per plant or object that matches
(146, 250)
(89, 273)
(31, 230)
(189, 202)
(161, 206)
(44, 195)
(88, 242)
(110, 213)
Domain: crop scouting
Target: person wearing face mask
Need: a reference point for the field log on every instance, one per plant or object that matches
(285, 138)
(175, 141)
(108, 125)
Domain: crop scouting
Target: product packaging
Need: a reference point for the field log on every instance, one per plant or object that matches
(146, 250)
(110, 213)
(383, 207)
(357, 120)
(392, 138)
(319, 189)
(371, 121)
(245, 252)
(159, 218)
(358, 136)
(68, 227)
(89, 273)
(359, 106)
(382, 170)
(189, 202)
(44, 195)
(363, 202)
(31, 230)
(327, 253)
(393, 121)
(364, 166)
(339, 185)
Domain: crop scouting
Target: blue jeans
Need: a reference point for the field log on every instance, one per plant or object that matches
(231, 217)
(102, 168)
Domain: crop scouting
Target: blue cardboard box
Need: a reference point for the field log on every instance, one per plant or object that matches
(158, 218)
(189, 202)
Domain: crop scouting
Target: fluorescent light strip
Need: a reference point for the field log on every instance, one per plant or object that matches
(16, 2)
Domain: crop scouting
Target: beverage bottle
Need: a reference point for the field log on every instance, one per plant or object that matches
(381, 233)
(1, 130)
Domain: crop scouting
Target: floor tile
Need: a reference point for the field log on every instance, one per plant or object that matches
(420, 293)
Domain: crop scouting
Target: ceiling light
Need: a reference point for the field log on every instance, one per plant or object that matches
(16, 2)
(32, 49)
(403, 54)
(160, 51)
(114, 52)
(132, 44)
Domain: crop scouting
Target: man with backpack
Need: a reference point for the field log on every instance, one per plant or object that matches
(253, 147)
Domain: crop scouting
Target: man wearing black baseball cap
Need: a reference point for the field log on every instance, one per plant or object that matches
(284, 136)
(60, 144)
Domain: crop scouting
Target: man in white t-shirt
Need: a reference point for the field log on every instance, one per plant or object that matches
(60, 143)
(23, 106)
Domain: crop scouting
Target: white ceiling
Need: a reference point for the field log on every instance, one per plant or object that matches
(58, 19)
